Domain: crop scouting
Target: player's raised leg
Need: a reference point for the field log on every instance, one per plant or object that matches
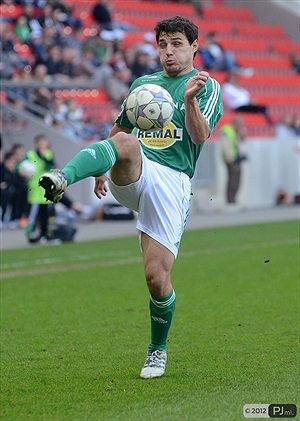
(94, 161)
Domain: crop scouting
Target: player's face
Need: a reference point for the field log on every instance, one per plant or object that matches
(176, 54)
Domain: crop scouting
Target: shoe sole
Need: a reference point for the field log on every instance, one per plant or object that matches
(151, 376)
(49, 186)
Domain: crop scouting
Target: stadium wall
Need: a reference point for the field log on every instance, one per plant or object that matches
(271, 164)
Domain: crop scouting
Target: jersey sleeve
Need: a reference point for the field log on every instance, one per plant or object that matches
(210, 102)
(122, 119)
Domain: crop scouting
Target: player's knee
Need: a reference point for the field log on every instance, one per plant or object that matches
(156, 281)
(127, 144)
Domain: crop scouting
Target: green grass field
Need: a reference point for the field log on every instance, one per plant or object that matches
(75, 328)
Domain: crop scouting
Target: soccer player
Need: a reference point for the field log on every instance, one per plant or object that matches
(150, 172)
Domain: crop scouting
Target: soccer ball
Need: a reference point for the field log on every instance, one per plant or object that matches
(149, 107)
(27, 168)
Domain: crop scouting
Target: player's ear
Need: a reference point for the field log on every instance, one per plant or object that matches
(195, 45)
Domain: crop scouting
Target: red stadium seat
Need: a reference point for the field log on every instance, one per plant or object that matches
(227, 13)
(259, 30)
(10, 11)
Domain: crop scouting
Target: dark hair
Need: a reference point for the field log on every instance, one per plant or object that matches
(16, 146)
(177, 24)
(40, 136)
(8, 155)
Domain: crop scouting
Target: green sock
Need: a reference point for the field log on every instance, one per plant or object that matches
(92, 161)
(161, 312)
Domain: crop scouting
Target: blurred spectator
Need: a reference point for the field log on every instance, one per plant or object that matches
(66, 65)
(10, 61)
(21, 91)
(284, 128)
(232, 138)
(57, 111)
(29, 11)
(73, 38)
(149, 46)
(296, 124)
(41, 42)
(85, 65)
(22, 29)
(38, 48)
(295, 61)
(65, 15)
(102, 15)
(117, 84)
(142, 64)
(45, 17)
(74, 119)
(18, 103)
(106, 126)
(67, 210)
(87, 68)
(59, 126)
(7, 37)
(90, 129)
(42, 97)
(74, 111)
(282, 197)
(68, 117)
(101, 47)
(52, 61)
(237, 98)
(40, 74)
(7, 184)
(6, 65)
(20, 207)
(215, 57)
(198, 6)
(51, 26)
(41, 157)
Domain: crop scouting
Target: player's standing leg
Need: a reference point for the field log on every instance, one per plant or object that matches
(158, 262)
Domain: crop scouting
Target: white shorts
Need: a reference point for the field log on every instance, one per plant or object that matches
(162, 199)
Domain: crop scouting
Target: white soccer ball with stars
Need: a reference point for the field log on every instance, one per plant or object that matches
(149, 107)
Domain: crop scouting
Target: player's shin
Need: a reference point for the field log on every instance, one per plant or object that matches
(161, 313)
(94, 160)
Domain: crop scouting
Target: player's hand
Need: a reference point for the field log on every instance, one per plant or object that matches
(195, 84)
(100, 188)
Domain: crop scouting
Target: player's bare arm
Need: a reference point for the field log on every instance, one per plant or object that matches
(117, 129)
(195, 123)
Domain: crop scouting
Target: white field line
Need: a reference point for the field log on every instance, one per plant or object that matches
(57, 260)
(111, 259)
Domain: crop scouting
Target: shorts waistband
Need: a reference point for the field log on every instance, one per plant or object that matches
(169, 169)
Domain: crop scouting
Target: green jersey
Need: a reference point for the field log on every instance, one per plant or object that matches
(172, 146)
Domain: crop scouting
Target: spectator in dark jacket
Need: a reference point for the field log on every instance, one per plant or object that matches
(7, 185)
(215, 57)
(102, 15)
